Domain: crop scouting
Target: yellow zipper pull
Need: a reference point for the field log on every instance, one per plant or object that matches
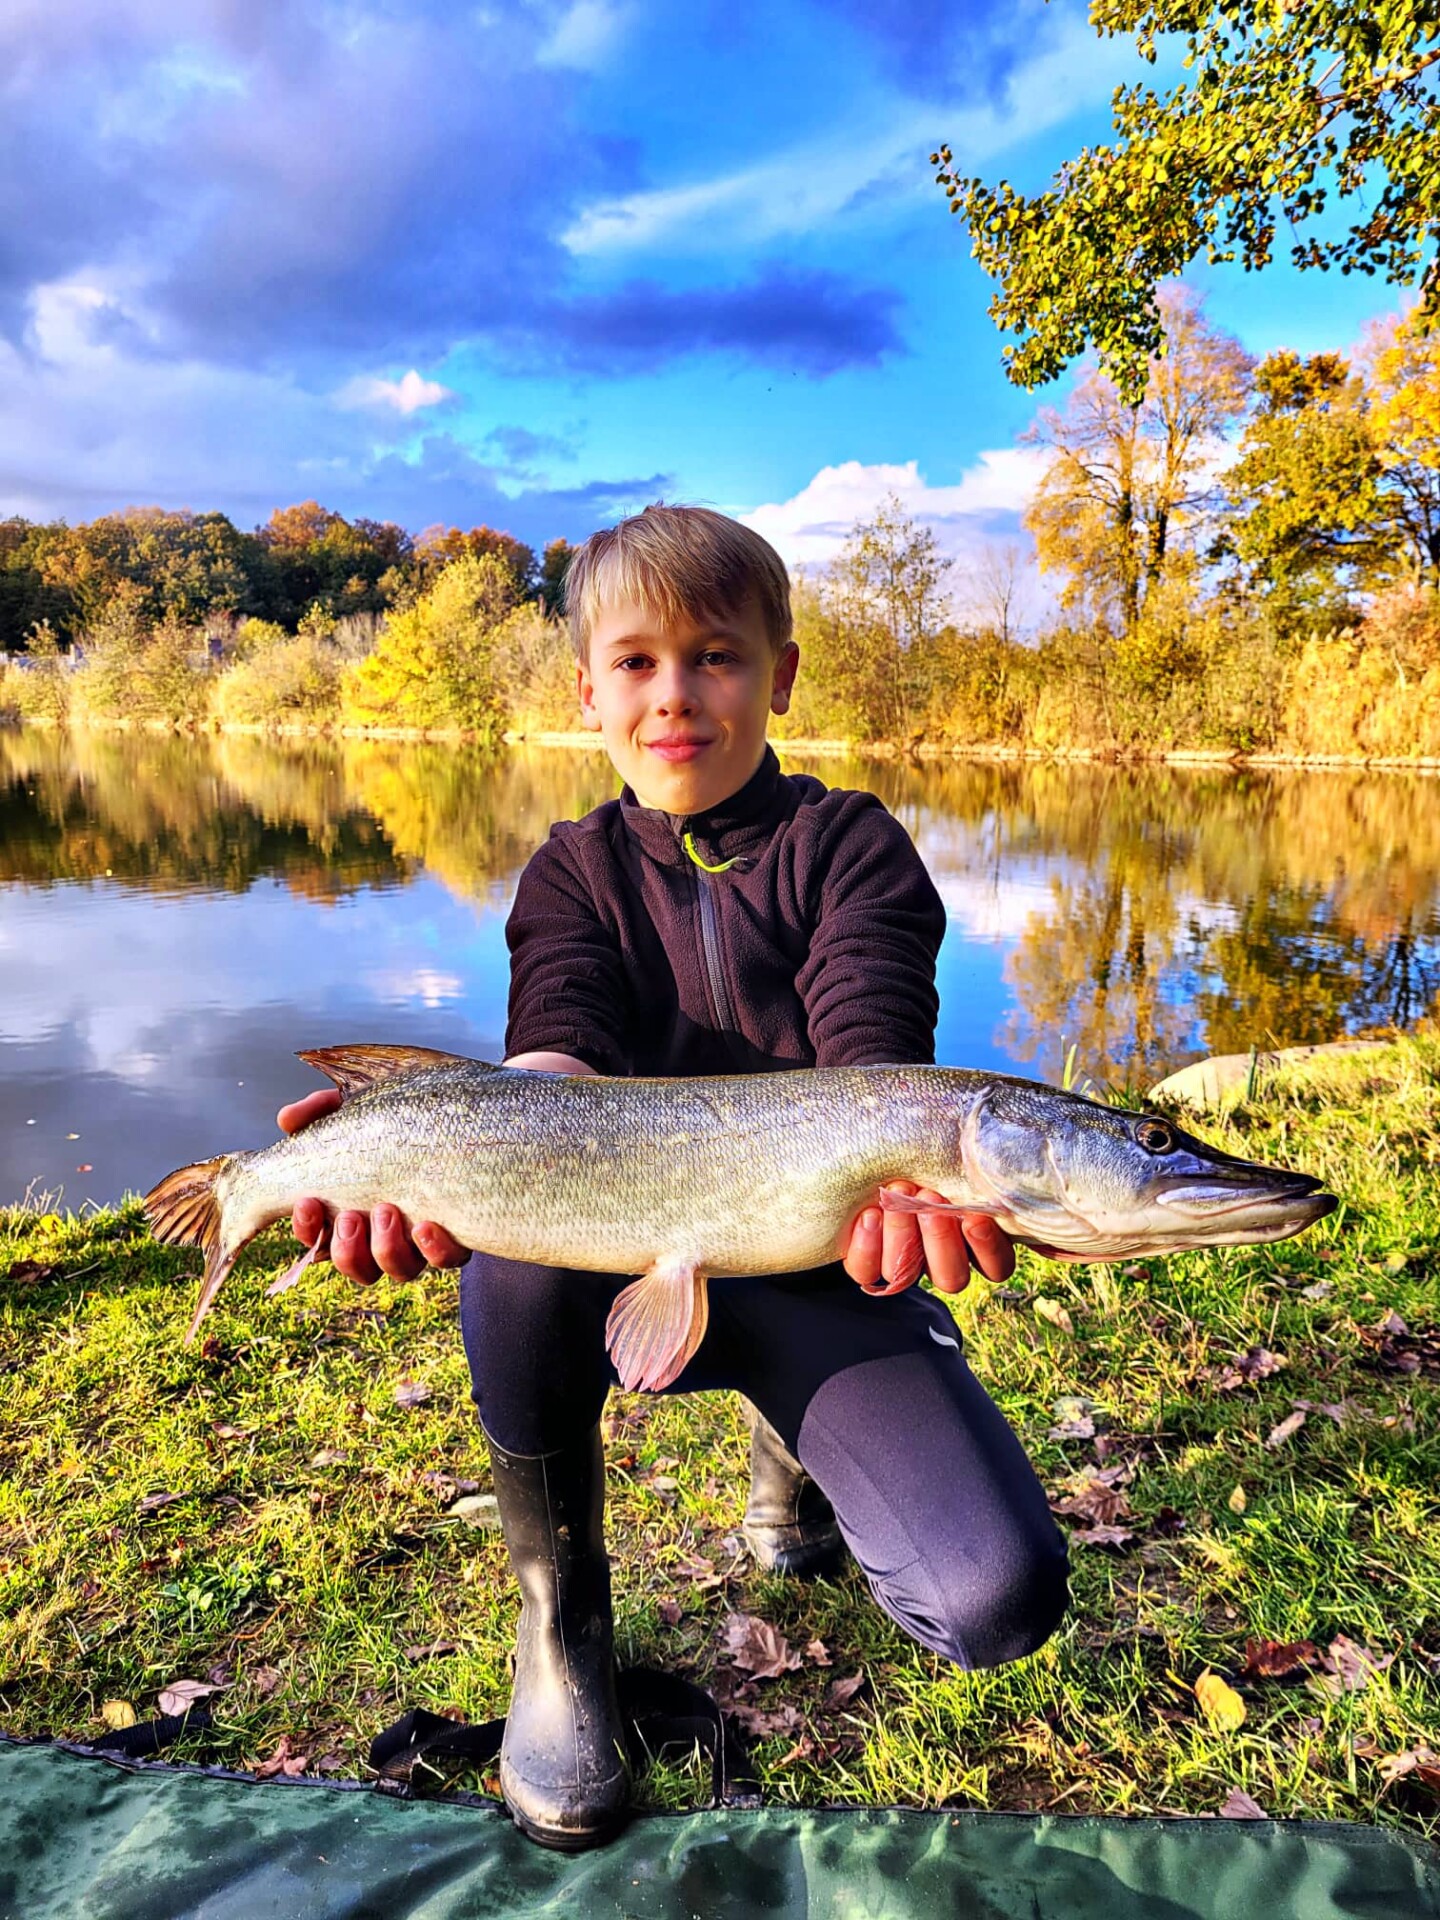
(689, 845)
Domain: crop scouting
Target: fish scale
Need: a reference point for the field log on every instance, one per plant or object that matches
(687, 1180)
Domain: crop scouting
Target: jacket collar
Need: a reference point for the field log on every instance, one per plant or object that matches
(739, 825)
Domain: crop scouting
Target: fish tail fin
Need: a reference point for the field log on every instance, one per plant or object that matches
(184, 1210)
(656, 1325)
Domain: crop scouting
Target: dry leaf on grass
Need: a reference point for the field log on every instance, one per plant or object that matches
(1291, 1424)
(1417, 1761)
(1354, 1666)
(435, 1650)
(1278, 1659)
(1244, 1369)
(817, 1653)
(763, 1723)
(153, 1502)
(759, 1648)
(282, 1761)
(330, 1457)
(1239, 1806)
(1219, 1702)
(669, 1612)
(31, 1272)
(410, 1393)
(840, 1693)
(1052, 1311)
(1237, 1502)
(1074, 1418)
(180, 1695)
(475, 1509)
(1102, 1536)
(118, 1714)
(1097, 1495)
(265, 1680)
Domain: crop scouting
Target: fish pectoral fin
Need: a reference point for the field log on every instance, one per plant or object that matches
(656, 1325)
(911, 1203)
(293, 1273)
(353, 1068)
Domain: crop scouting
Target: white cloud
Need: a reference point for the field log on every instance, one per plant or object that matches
(805, 186)
(583, 35)
(407, 395)
(810, 528)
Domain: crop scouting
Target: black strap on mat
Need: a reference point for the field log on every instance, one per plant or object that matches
(661, 1712)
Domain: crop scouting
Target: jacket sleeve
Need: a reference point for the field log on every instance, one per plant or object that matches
(868, 982)
(568, 990)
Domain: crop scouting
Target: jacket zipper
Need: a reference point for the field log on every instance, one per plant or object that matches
(710, 942)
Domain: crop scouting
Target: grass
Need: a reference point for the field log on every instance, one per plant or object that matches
(302, 1543)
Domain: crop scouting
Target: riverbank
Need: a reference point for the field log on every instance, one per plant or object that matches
(1244, 1445)
(829, 749)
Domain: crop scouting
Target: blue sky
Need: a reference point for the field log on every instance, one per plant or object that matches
(535, 262)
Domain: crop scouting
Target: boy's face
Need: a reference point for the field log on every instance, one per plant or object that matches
(683, 709)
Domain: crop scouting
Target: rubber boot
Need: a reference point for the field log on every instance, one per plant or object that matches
(789, 1524)
(562, 1765)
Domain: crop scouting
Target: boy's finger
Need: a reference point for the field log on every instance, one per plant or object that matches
(350, 1248)
(947, 1258)
(991, 1248)
(438, 1247)
(394, 1251)
(300, 1113)
(310, 1223)
(862, 1256)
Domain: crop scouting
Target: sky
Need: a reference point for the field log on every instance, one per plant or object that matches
(535, 263)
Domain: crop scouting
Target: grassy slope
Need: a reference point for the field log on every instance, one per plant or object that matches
(307, 1546)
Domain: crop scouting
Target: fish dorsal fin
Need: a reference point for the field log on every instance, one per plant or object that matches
(355, 1068)
(657, 1323)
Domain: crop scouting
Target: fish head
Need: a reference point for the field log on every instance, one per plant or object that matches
(1105, 1182)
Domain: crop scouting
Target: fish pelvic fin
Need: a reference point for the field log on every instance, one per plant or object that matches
(353, 1068)
(656, 1325)
(184, 1210)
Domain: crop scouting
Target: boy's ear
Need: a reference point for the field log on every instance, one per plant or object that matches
(786, 668)
(585, 689)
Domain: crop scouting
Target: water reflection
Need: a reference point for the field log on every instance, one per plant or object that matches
(176, 916)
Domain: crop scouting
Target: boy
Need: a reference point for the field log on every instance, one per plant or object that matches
(722, 917)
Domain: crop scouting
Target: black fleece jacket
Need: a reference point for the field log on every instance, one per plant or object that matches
(816, 947)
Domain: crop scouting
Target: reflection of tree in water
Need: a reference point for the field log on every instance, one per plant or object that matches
(163, 811)
(1208, 913)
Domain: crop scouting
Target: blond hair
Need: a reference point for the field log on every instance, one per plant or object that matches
(674, 562)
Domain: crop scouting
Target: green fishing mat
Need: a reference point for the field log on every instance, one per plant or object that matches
(90, 1838)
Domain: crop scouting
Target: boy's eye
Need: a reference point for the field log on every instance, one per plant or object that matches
(633, 663)
(716, 657)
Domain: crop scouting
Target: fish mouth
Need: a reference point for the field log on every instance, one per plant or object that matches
(1217, 1196)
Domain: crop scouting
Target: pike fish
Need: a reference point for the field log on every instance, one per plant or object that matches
(682, 1181)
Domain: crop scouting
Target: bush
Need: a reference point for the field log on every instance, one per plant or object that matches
(131, 672)
(434, 667)
(37, 686)
(285, 682)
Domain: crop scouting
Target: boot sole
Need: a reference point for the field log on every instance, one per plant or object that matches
(565, 1839)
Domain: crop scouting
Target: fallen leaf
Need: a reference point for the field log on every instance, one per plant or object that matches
(1244, 1369)
(223, 1430)
(1219, 1702)
(840, 1693)
(1097, 1496)
(1051, 1310)
(180, 1695)
(1237, 1502)
(763, 1722)
(282, 1761)
(1168, 1522)
(1318, 1290)
(1391, 1323)
(1336, 1410)
(1420, 1760)
(330, 1457)
(1239, 1806)
(410, 1393)
(265, 1680)
(436, 1650)
(475, 1509)
(30, 1272)
(669, 1612)
(153, 1502)
(759, 1648)
(817, 1653)
(1291, 1424)
(1355, 1665)
(1102, 1536)
(118, 1713)
(1278, 1659)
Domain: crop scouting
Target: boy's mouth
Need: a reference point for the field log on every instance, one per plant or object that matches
(677, 746)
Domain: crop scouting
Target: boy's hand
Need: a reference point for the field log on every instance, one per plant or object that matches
(889, 1251)
(359, 1247)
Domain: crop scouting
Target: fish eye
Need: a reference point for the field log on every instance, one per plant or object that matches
(1154, 1136)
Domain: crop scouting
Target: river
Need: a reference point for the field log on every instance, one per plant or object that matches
(178, 915)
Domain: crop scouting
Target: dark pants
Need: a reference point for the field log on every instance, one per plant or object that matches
(932, 1490)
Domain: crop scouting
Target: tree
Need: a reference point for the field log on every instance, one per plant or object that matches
(553, 569)
(1401, 371)
(440, 546)
(434, 665)
(1306, 514)
(887, 590)
(1128, 479)
(995, 588)
(1289, 105)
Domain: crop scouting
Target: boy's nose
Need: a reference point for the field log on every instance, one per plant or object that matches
(675, 695)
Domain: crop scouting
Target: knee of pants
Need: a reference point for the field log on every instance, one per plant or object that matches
(981, 1614)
